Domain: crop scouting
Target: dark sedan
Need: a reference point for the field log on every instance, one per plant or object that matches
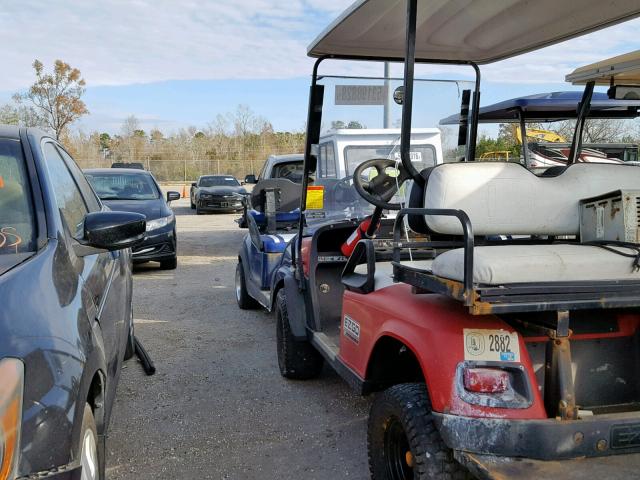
(217, 193)
(132, 190)
(66, 321)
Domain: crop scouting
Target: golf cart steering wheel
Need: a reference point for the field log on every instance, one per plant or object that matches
(381, 188)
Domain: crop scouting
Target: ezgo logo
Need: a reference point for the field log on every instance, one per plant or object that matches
(351, 329)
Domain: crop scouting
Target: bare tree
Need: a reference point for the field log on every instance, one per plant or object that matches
(56, 96)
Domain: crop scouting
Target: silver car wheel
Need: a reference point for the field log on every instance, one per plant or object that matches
(238, 282)
(89, 457)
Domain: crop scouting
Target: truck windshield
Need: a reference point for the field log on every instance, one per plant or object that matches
(17, 227)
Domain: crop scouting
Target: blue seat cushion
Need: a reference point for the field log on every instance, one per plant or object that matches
(281, 217)
(276, 243)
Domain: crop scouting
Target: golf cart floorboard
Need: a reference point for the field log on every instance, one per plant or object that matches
(614, 467)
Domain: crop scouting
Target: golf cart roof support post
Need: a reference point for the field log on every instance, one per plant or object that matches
(583, 111)
(475, 113)
(296, 258)
(523, 134)
(407, 91)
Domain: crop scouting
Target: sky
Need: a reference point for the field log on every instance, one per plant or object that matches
(179, 64)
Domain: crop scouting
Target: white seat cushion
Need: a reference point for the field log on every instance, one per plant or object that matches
(504, 264)
(384, 271)
(506, 198)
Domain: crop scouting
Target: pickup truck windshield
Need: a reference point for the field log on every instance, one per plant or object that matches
(17, 227)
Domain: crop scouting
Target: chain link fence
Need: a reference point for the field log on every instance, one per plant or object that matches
(184, 170)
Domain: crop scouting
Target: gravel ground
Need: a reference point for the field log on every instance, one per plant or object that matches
(217, 407)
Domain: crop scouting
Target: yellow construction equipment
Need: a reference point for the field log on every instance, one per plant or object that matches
(538, 134)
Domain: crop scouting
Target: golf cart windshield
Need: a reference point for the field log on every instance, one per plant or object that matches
(353, 131)
(550, 119)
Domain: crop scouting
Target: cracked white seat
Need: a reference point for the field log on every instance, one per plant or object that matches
(506, 264)
(506, 199)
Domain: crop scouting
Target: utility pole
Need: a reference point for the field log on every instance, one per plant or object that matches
(387, 99)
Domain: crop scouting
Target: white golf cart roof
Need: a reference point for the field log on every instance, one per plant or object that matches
(384, 134)
(623, 69)
(480, 31)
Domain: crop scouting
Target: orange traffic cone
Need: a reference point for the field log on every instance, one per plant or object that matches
(184, 191)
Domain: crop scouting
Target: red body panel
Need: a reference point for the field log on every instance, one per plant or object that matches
(431, 326)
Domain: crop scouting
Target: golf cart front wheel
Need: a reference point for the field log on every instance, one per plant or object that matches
(297, 359)
(403, 440)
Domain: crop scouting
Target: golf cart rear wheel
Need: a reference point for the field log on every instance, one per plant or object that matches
(403, 440)
(297, 359)
(245, 301)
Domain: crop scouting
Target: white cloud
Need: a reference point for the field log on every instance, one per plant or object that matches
(120, 42)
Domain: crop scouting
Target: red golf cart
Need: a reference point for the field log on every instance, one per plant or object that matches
(493, 311)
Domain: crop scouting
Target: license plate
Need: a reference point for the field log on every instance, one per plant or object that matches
(491, 345)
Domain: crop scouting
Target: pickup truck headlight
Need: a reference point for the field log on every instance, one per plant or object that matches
(11, 391)
(158, 223)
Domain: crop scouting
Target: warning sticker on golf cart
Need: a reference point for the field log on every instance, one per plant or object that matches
(315, 197)
(491, 345)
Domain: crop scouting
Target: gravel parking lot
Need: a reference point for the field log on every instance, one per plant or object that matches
(217, 406)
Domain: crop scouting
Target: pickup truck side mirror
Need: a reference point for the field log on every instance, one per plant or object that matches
(113, 230)
(171, 196)
(250, 179)
(194, 184)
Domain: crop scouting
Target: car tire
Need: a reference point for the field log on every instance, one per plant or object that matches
(88, 448)
(169, 263)
(403, 440)
(198, 211)
(297, 360)
(245, 301)
(193, 205)
(130, 349)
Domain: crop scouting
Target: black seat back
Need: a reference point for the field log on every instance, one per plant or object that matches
(287, 194)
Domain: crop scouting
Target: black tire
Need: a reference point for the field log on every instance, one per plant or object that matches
(169, 263)
(198, 211)
(193, 205)
(130, 349)
(403, 440)
(245, 301)
(297, 360)
(89, 459)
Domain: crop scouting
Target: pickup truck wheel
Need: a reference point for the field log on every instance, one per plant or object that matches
(403, 440)
(297, 360)
(88, 447)
(245, 301)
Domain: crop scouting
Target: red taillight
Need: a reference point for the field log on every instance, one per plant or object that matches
(305, 254)
(486, 380)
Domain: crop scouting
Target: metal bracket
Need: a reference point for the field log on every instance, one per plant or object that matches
(270, 208)
(559, 390)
